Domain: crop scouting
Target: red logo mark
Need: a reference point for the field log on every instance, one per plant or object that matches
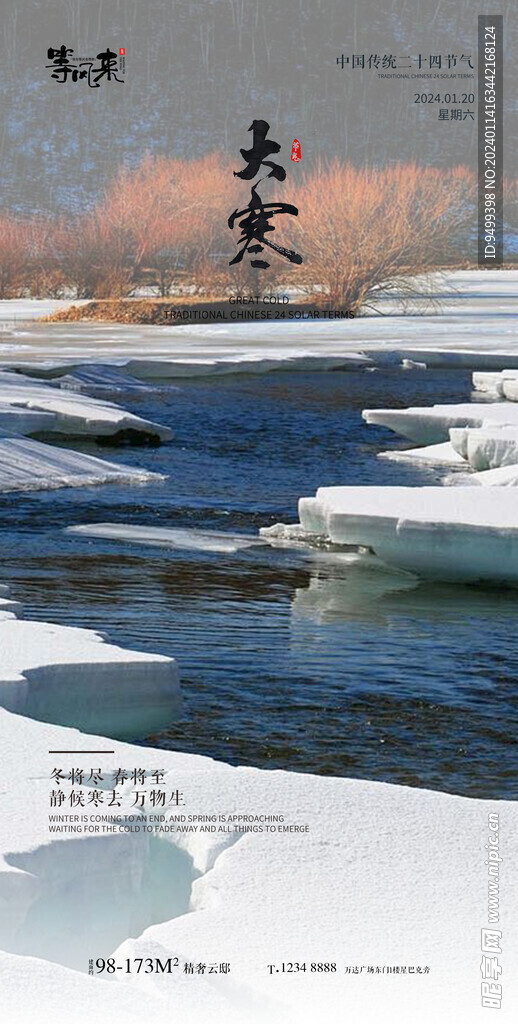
(295, 151)
(122, 51)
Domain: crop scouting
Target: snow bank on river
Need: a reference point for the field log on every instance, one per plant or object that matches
(371, 883)
(435, 532)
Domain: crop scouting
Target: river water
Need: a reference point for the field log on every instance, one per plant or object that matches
(289, 659)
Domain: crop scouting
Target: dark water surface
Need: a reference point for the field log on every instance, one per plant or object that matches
(288, 659)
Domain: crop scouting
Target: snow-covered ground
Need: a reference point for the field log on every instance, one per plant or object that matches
(463, 318)
(384, 876)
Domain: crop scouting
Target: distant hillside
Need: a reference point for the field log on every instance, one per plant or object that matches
(198, 72)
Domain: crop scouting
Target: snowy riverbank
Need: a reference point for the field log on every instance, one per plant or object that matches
(383, 876)
(462, 318)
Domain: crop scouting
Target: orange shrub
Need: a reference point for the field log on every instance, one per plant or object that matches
(359, 229)
(165, 222)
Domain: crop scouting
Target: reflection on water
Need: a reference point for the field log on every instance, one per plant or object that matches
(289, 658)
(363, 590)
(358, 592)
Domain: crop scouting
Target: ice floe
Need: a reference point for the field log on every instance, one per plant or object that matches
(258, 363)
(510, 387)
(478, 448)
(429, 425)
(411, 364)
(284, 534)
(193, 540)
(29, 465)
(99, 377)
(443, 454)
(503, 476)
(32, 407)
(498, 385)
(435, 532)
(486, 447)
